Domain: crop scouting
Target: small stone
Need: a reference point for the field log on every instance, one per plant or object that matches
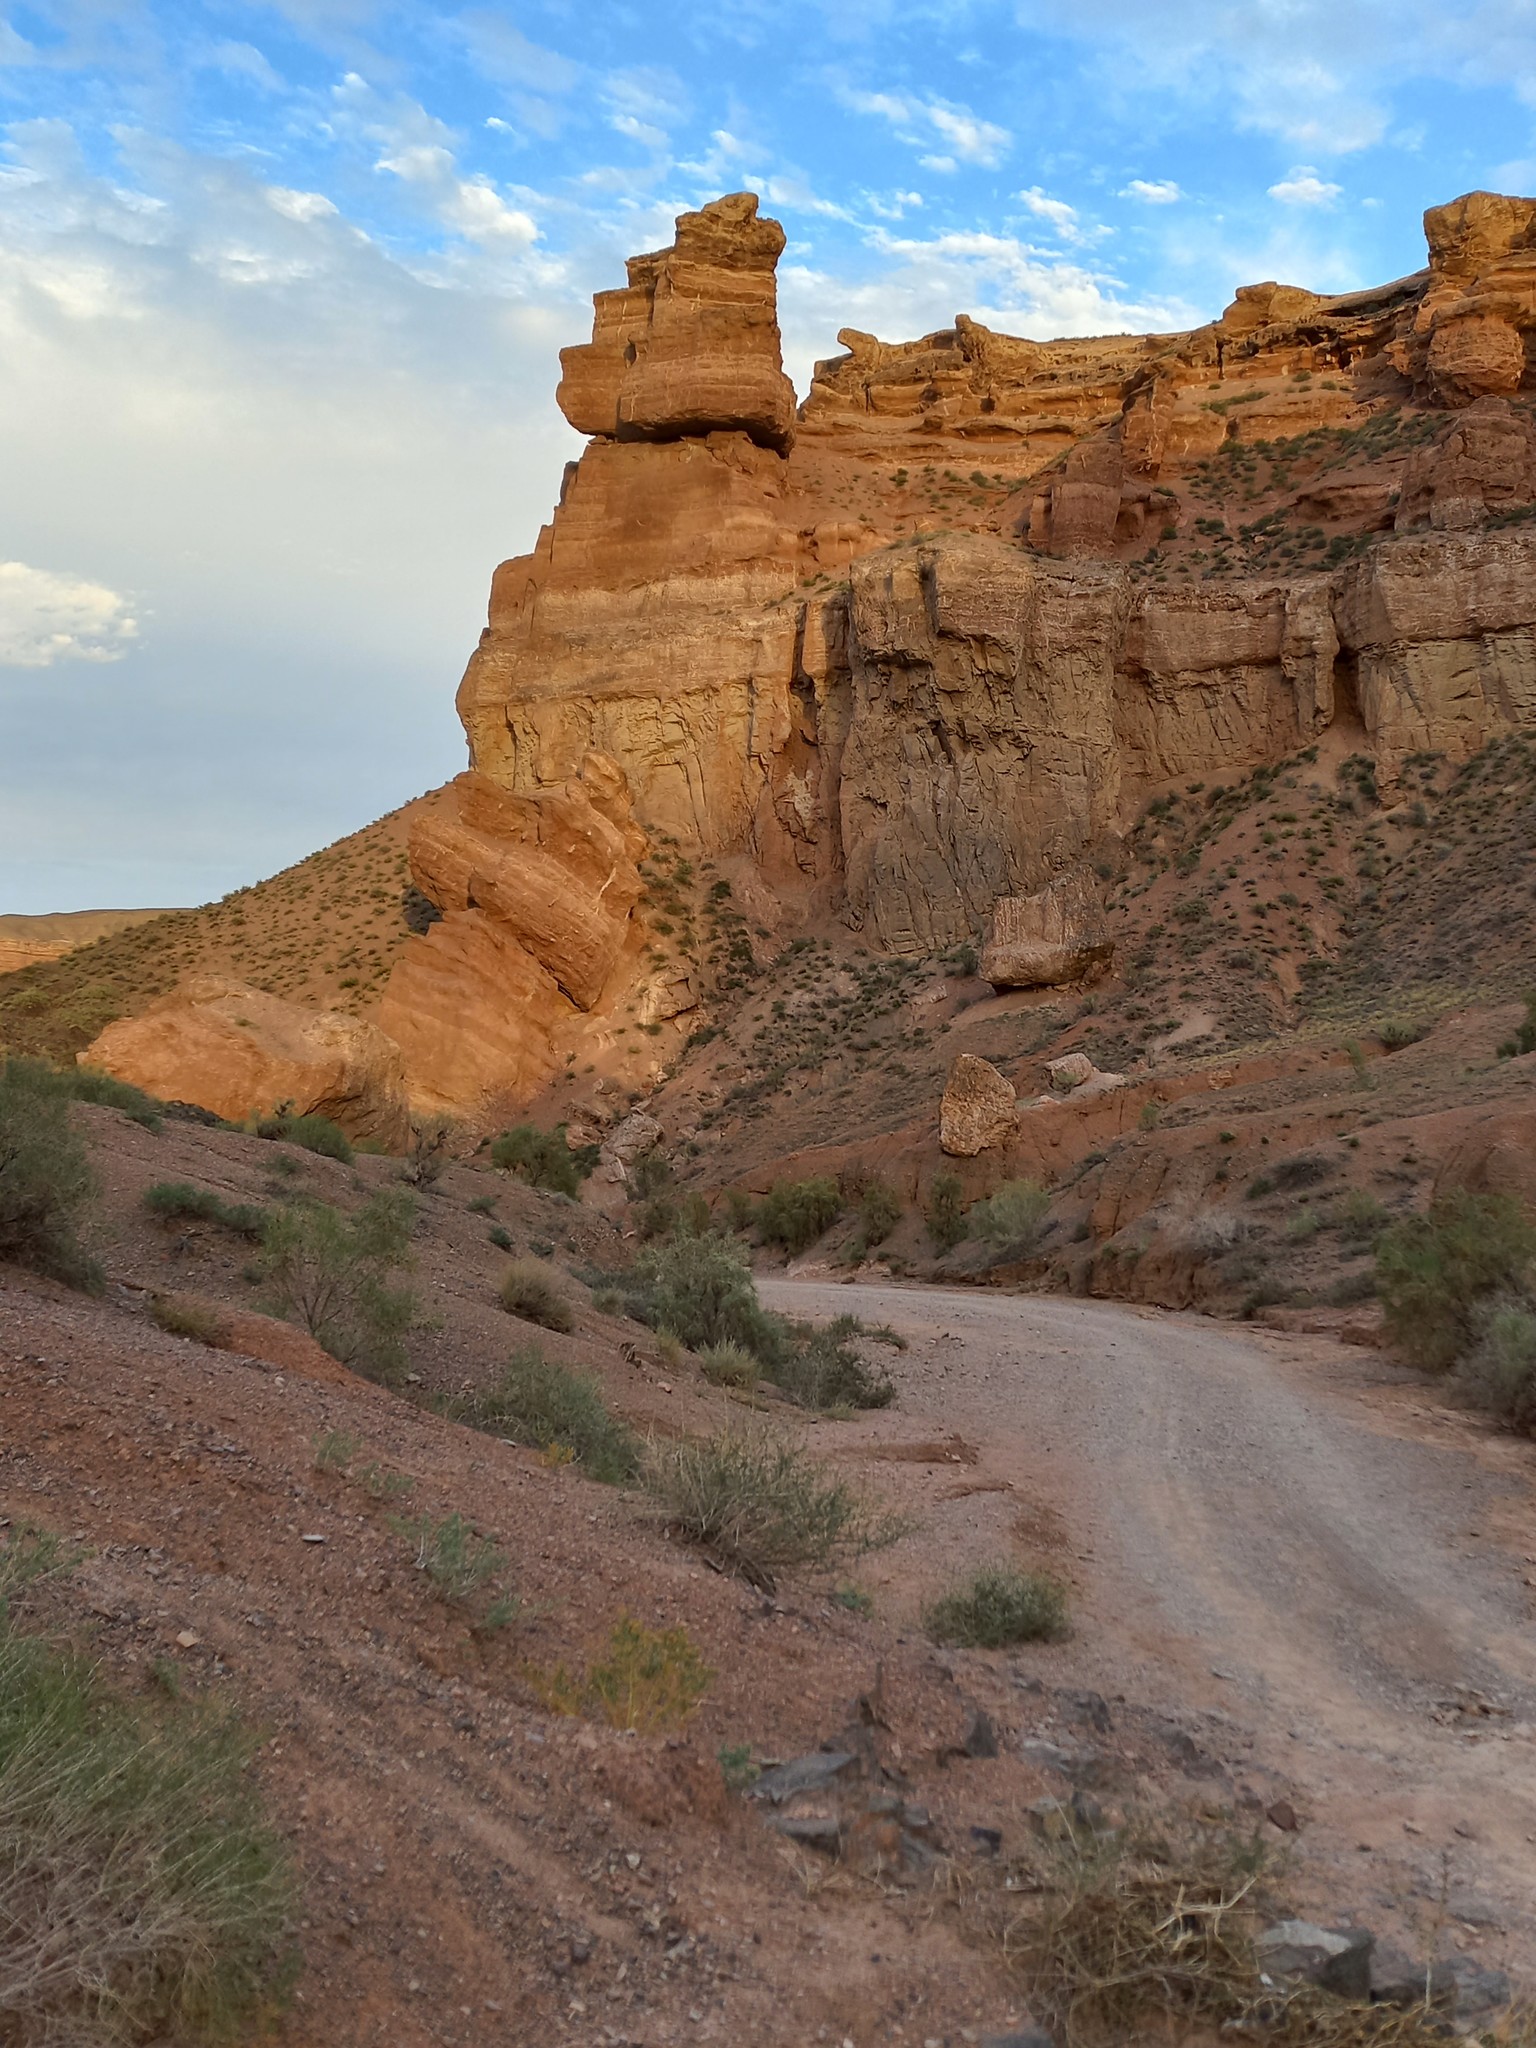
(988, 1841)
(313, 1539)
(980, 1737)
(187, 1640)
(1019, 2037)
(1478, 1990)
(1396, 1980)
(1282, 1815)
(803, 1774)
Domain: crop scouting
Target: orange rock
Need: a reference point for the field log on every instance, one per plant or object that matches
(1055, 936)
(240, 1052)
(978, 1110)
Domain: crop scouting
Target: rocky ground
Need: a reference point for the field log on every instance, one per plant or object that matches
(478, 1868)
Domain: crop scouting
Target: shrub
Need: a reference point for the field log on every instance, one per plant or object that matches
(651, 1680)
(1014, 1216)
(427, 1153)
(142, 1894)
(819, 1368)
(543, 1158)
(760, 1506)
(530, 1290)
(701, 1289)
(332, 1273)
(795, 1213)
(500, 1236)
(1301, 1170)
(540, 1403)
(1434, 1272)
(1360, 1217)
(1499, 1373)
(460, 1564)
(313, 1132)
(879, 1212)
(173, 1199)
(195, 1319)
(45, 1180)
(1398, 1032)
(1524, 1040)
(997, 1607)
(729, 1365)
(945, 1213)
(85, 1084)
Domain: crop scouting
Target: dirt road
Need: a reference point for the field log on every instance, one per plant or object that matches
(1280, 1527)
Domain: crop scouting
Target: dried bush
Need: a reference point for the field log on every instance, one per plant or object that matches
(651, 1680)
(730, 1365)
(543, 1404)
(45, 1179)
(1434, 1272)
(313, 1132)
(761, 1507)
(819, 1368)
(530, 1290)
(195, 1319)
(1499, 1373)
(142, 1894)
(998, 1606)
(333, 1274)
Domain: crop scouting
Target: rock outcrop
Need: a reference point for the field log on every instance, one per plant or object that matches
(240, 1052)
(1055, 936)
(978, 1110)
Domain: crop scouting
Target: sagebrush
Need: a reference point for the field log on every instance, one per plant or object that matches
(545, 1405)
(335, 1274)
(45, 1179)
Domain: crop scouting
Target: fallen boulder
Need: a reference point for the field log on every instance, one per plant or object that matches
(978, 1109)
(1057, 935)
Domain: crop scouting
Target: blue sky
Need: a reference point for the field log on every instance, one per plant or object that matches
(282, 286)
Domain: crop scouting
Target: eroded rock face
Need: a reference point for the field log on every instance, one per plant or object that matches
(978, 1109)
(691, 345)
(1057, 935)
(239, 1052)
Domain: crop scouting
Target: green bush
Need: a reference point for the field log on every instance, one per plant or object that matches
(45, 1179)
(1013, 1218)
(795, 1213)
(879, 1212)
(543, 1159)
(530, 1290)
(314, 1133)
(173, 1199)
(332, 1273)
(460, 1564)
(819, 1368)
(997, 1607)
(1360, 1217)
(85, 1084)
(540, 1403)
(1435, 1272)
(1396, 1033)
(142, 1894)
(945, 1213)
(701, 1289)
(1499, 1373)
(1524, 1040)
(760, 1506)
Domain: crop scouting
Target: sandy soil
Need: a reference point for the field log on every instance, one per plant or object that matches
(1288, 1531)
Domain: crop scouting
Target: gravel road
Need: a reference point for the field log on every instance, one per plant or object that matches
(1251, 1523)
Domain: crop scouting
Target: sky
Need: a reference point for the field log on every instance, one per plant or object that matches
(283, 282)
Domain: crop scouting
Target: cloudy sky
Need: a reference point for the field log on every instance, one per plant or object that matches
(282, 285)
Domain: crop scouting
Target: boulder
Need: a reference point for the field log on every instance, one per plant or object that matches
(690, 346)
(978, 1109)
(1054, 936)
(1337, 1959)
(240, 1052)
(1496, 1155)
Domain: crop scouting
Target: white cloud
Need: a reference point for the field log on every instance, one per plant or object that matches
(963, 137)
(1303, 187)
(1152, 191)
(47, 618)
(1062, 218)
(300, 206)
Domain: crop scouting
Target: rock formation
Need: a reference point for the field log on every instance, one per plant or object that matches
(241, 1053)
(1056, 936)
(978, 1110)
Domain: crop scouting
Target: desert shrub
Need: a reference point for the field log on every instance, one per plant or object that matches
(195, 1319)
(500, 1236)
(1435, 1272)
(45, 1179)
(1351, 1289)
(819, 1368)
(1301, 1170)
(427, 1151)
(333, 1274)
(729, 1365)
(543, 1158)
(530, 1290)
(795, 1213)
(1524, 1040)
(945, 1213)
(999, 1606)
(701, 1289)
(142, 1894)
(651, 1680)
(1013, 1217)
(313, 1132)
(879, 1212)
(85, 1084)
(650, 1175)
(1499, 1373)
(1360, 1217)
(461, 1564)
(1397, 1032)
(761, 1507)
(173, 1199)
(543, 1404)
